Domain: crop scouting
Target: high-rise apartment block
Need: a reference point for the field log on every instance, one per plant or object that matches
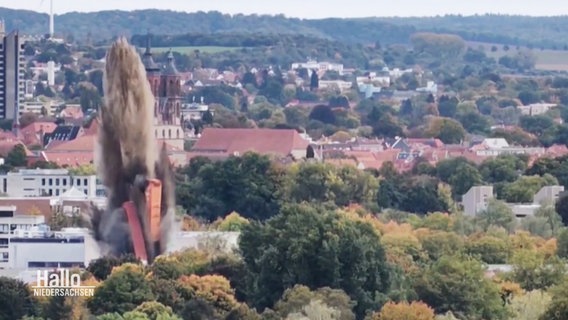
(12, 69)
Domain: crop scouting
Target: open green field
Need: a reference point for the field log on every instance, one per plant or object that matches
(552, 60)
(191, 49)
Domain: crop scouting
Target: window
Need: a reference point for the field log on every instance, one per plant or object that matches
(78, 182)
(64, 182)
(50, 182)
(86, 182)
(4, 257)
(57, 192)
(57, 181)
(34, 264)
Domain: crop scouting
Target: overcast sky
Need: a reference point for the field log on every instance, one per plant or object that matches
(310, 8)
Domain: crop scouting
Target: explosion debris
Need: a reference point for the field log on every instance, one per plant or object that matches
(127, 156)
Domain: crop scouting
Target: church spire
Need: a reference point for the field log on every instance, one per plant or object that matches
(148, 42)
(147, 58)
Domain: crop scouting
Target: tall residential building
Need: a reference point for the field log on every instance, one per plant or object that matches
(12, 69)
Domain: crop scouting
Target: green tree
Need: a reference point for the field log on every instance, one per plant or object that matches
(17, 157)
(458, 284)
(524, 188)
(530, 305)
(533, 271)
(314, 81)
(489, 249)
(562, 244)
(465, 177)
(154, 310)
(558, 307)
(102, 267)
(121, 292)
(562, 208)
(58, 308)
(317, 248)
(497, 214)
(247, 184)
(16, 299)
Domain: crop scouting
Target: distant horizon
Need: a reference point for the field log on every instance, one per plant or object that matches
(302, 18)
(313, 9)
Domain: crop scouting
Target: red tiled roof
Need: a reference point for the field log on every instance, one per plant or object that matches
(32, 134)
(264, 141)
(70, 158)
(29, 205)
(436, 143)
(82, 143)
(557, 150)
(35, 127)
(7, 135)
(373, 160)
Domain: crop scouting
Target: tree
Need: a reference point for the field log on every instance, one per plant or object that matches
(317, 248)
(27, 118)
(530, 305)
(199, 309)
(17, 157)
(295, 299)
(122, 291)
(58, 308)
(214, 289)
(524, 188)
(404, 310)
(457, 284)
(248, 184)
(16, 299)
(558, 307)
(445, 129)
(102, 267)
(323, 113)
(465, 177)
(533, 271)
(243, 312)
(232, 222)
(154, 310)
(489, 249)
(89, 97)
(315, 310)
(562, 244)
(562, 208)
(314, 81)
(439, 45)
(497, 213)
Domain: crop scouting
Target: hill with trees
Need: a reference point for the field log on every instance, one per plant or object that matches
(546, 32)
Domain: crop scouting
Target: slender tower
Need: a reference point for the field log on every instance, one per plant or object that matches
(51, 23)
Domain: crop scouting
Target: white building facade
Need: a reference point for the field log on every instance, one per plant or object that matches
(48, 182)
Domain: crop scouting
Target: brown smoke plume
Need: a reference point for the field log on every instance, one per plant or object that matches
(127, 154)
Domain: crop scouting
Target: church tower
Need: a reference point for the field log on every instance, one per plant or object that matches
(165, 83)
(169, 93)
(152, 73)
